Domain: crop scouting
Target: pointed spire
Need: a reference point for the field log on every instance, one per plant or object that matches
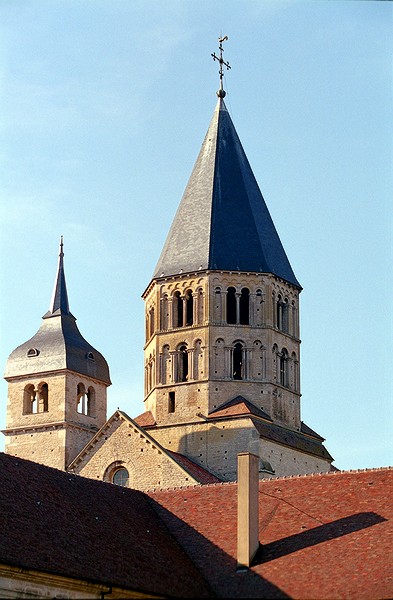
(223, 223)
(59, 301)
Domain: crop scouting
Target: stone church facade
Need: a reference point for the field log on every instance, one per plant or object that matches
(222, 352)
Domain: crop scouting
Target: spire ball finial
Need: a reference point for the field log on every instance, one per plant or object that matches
(61, 253)
(221, 92)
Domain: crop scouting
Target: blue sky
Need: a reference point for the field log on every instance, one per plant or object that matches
(104, 105)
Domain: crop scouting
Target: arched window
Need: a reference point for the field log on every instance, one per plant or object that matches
(245, 307)
(189, 308)
(42, 397)
(237, 362)
(231, 306)
(282, 314)
(284, 379)
(81, 399)
(120, 477)
(177, 310)
(182, 363)
(29, 400)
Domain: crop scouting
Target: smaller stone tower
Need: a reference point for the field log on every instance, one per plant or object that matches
(57, 386)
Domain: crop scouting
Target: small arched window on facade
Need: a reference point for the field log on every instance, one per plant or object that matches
(282, 317)
(182, 363)
(29, 400)
(120, 477)
(177, 310)
(245, 307)
(237, 361)
(284, 364)
(43, 398)
(231, 306)
(32, 352)
(189, 301)
(81, 399)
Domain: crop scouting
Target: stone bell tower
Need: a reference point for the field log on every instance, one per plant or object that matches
(57, 386)
(222, 352)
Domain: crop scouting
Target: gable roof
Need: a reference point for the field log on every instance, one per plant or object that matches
(222, 222)
(200, 474)
(67, 525)
(322, 536)
(236, 407)
(305, 440)
(197, 473)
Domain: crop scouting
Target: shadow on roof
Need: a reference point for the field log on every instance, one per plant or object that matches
(218, 567)
(316, 535)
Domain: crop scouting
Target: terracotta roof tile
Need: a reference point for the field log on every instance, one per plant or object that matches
(323, 536)
(145, 419)
(66, 524)
(199, 473)
(238, 406)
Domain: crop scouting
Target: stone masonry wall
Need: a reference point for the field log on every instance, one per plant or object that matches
(122, 445)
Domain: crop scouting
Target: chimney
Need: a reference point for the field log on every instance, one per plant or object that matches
(247, 508)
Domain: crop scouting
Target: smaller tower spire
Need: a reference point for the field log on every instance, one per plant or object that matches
(221, 92)
(59, 301)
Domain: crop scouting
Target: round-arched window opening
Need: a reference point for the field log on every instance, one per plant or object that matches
(120, 477)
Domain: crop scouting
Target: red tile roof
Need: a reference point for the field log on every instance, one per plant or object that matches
(199, 473)
(323, 536)
(67, 525)
(238, 406)
(145, 419)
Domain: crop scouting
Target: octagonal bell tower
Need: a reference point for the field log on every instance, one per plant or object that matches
(222, 309)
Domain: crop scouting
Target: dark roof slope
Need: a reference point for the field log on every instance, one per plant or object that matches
(323, 536)
(222, 222)
(65, 524)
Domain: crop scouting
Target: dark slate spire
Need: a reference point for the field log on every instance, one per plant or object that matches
(222, 222)
(59, 302)
(58, 344)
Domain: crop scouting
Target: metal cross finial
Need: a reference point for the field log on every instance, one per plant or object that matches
(61, 246)
(221, 92)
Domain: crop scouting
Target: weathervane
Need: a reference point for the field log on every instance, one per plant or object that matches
(221, 92)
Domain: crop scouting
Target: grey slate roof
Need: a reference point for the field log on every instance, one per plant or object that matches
(222, 222)
(58, 344)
